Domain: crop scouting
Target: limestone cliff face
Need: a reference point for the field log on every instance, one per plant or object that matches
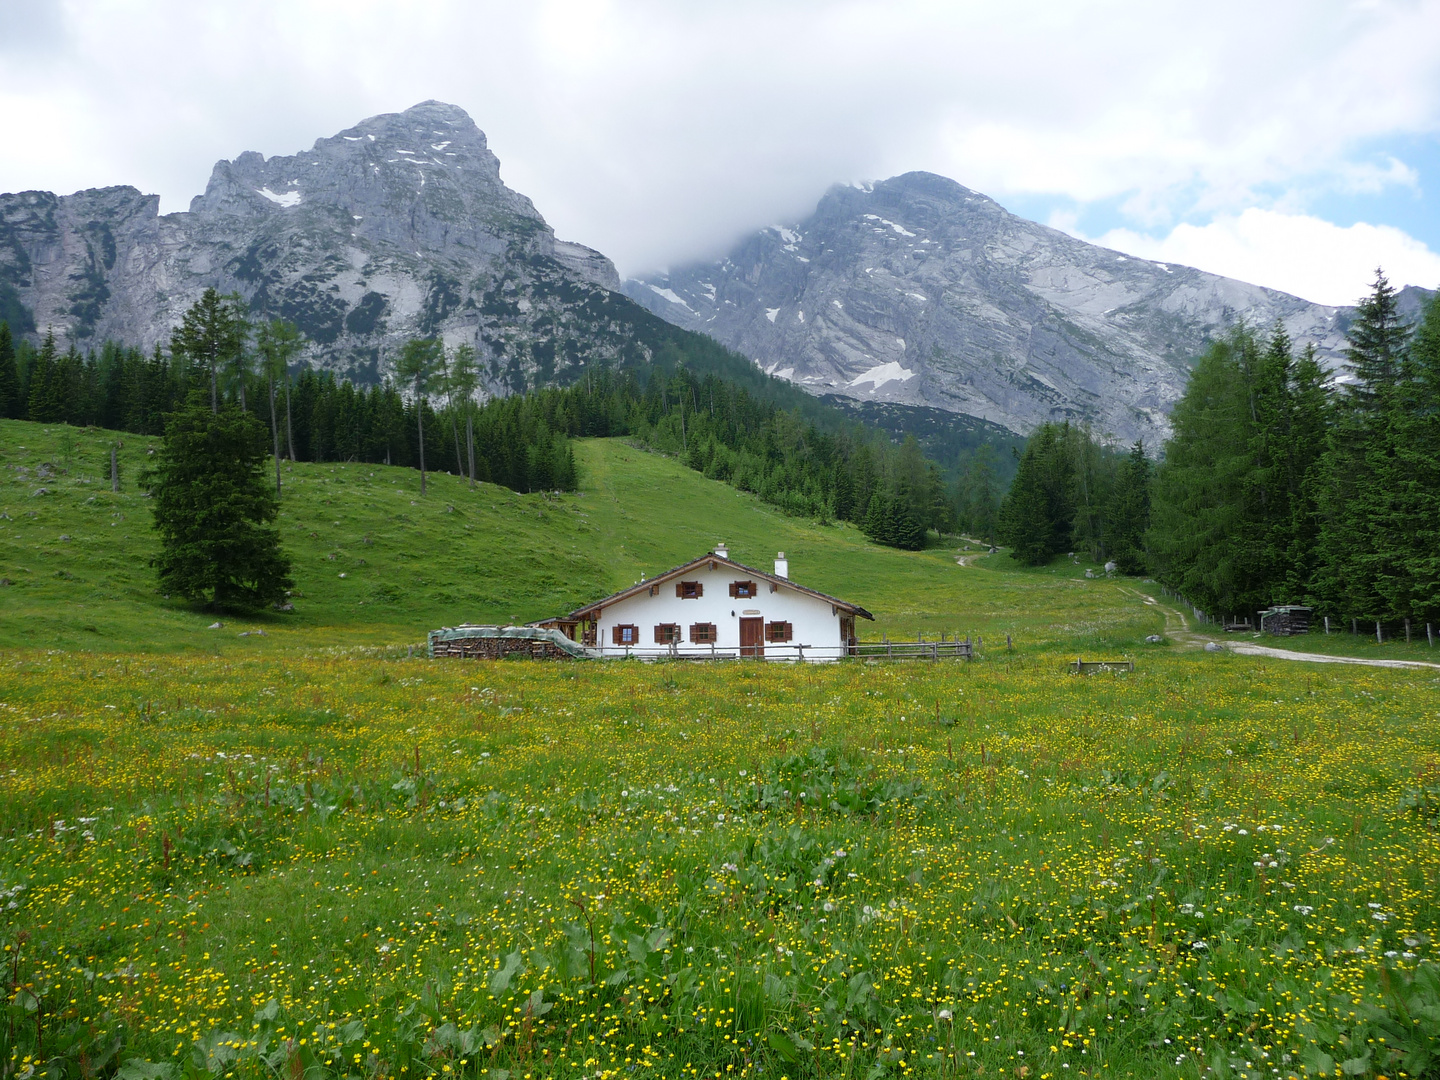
(399, 226)
(920, 291)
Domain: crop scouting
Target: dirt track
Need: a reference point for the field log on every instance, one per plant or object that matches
(1191, 639)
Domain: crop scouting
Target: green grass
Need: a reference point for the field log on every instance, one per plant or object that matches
(400, 863)
(307, 855)
(457, 555)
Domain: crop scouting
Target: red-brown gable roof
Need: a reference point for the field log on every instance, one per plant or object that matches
(634, 590)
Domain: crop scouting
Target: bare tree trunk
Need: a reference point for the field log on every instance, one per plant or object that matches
(420, 419)
(470, 445)
(455, 430)
(275, 434)
(289, 431)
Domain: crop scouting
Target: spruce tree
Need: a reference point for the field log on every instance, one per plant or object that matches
(1197, 505)
(211, 336)
(46, 400)
(12, 407)
(977, 500)
(876, 524)
(1027, 522)
(1127, 515)
(1408, 526)
(1309, 418)
(214, 510)
(1038, 515)
(1360, 471)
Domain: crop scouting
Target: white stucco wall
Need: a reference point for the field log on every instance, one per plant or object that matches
(816, 626)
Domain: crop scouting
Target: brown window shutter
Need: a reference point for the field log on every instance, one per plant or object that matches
(699, 589)
(679, 590)
(734, 589)
(615, 635)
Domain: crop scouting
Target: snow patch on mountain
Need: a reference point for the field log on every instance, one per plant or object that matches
(882, 374)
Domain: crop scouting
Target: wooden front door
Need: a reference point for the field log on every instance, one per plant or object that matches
(752, 637)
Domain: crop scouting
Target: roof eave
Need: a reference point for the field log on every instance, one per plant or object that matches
(624, 594)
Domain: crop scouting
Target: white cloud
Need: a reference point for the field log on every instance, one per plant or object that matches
(658, 131)
(1296, 253)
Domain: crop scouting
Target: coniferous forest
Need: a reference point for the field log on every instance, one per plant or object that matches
(823, 465)
(1280, 484)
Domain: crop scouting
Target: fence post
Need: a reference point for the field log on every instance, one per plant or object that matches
(1378, 639)
(1407, 631)
(114, 470)
(1355, 627)
(1430, 635)
(1008, 644)
(1327, 625)
(934, 651)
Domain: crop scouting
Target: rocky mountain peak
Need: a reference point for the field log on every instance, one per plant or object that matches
(918, 290)
(398, 226)
(423, 177)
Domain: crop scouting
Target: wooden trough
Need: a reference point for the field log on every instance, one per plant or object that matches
(503, 642)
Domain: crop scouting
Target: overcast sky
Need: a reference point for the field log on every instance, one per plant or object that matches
(1296, 145)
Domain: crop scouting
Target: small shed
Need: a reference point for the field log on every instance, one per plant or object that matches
(1285, 620)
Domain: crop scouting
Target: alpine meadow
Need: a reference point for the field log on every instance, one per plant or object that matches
(1120, 757)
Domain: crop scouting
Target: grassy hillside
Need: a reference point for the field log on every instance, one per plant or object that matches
(291, 858)
(78, 556)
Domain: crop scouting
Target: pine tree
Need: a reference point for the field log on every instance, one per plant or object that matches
(12, 407)
(977, 501)
(1026, 522)
(214, 510)
(877, 519)
(1309, 418)
(1127, 515)
(1361, 472)
(1197, 502)
(47, 402)
(211, 336)
(1037, 516)
(1408, 526)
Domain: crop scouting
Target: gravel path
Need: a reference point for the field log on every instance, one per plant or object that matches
(1183, 634)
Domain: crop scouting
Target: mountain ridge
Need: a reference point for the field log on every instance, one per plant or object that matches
(918, 290)
(397, 226)
(914, 291)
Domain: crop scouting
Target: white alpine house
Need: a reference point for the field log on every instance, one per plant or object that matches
(714, 605)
